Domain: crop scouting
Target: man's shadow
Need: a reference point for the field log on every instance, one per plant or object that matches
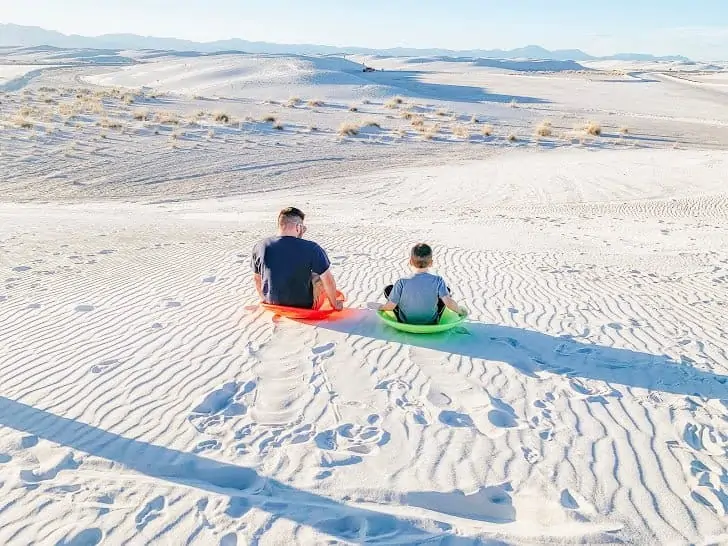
(533, 352)
(247, 489)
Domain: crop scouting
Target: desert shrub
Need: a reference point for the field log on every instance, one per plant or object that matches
(544, 129)
(348, 129)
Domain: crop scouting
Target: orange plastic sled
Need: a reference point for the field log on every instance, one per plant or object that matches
(299, 313)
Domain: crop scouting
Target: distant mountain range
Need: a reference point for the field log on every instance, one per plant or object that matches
(25, 36)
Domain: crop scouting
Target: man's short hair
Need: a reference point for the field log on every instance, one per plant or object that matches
(290, 216)
(421, 255)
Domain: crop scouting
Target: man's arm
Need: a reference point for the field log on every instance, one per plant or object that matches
(258, 280)
(327, 279)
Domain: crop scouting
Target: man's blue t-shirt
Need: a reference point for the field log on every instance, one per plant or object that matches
(285, 265)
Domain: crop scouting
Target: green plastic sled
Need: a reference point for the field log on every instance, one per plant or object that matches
(449, 320)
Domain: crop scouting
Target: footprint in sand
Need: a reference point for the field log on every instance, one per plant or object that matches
(221, 404)
(87, 537)
(104, 366)
(456, 419)
(151, 511)
(209, 280)
(352, 438)
(26, 442)
(106, 252)
(84, 308)
(231, 539)
(171, 304)
(398, 391)
(22, 268)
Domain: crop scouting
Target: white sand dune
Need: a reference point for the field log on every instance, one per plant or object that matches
(146, 399)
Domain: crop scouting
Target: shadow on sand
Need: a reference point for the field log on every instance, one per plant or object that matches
(247, 489)
(533, 352)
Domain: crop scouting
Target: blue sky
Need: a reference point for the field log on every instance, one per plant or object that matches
(698, 28)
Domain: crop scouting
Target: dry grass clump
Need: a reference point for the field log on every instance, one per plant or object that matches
(418, 122)
(394, 102)
(107, 123)
(474, 119)
(278, 126)
(128, 98)
(544, 129)
(512, 137)
(593, 128)
(348, 129)
(461, 131)
(141, 114)
(222, 117)
(315, 103)
(47, 89)
(353, 108)
(293, 102)
(312, 129)
(372, 123)
(167, 118)
(442, 113)
(486, 130)
(23, 122)
(270, 118)
(624, 130)
(400, 133)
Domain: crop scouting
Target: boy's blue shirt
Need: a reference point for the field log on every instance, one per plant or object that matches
(417, 297)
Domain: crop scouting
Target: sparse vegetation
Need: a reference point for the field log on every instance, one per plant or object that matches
(293, 102)
(23, 122)
(418, 122)
(315, 103)
(442, 113)
(624, 130)
(141, 115)
(353, 108)
(269, 119)
(544, 129)
(593, 128)
(486, 130)
(128, 99)
(222, 117)
(107, 123)
(372, 123)
(278, 126)
(461, 132)
(400, 133)
(167, 118)
(312, 129)
(512, 137)
(348, 129)
(394, 102)
(474, 120)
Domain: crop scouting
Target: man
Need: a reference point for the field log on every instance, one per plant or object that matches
(292, 271)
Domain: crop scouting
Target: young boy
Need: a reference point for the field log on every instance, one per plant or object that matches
(422, 297)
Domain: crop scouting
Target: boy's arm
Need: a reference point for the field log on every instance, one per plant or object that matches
(453, 306)
(389, 306)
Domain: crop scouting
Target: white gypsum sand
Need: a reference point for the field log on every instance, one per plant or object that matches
(144, 398)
